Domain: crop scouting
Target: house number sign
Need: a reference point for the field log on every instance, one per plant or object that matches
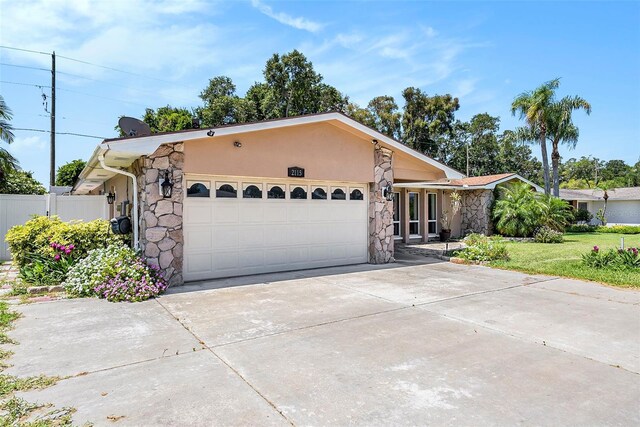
(296, 172)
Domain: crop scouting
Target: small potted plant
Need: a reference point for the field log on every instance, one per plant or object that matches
(447, 216)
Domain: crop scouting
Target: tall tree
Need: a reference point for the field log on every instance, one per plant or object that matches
(427, 119)
(8, 163)
(516, 157)
(534, 106)
(561, 130)
(484, 149)
(387, 118)
(222, 106)
(68, 173)
(167, 119)
(294, 88)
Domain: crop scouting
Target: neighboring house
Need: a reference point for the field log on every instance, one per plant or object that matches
(301, 192)
(623, 205)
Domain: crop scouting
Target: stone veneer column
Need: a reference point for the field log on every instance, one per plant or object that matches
(476, 211)
(381, 244)
(161, 238)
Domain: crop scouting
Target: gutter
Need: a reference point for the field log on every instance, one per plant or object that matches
(136, 243)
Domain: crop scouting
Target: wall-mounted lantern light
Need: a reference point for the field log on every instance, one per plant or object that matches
(387, 192)
(166, 187)
(111, 197)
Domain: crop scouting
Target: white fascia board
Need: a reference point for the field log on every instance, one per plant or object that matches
(493, 185)
(429, 185)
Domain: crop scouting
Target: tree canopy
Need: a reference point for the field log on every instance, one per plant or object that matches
(68, 174)
(21, 182)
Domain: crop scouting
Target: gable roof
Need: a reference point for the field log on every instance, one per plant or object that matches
(485, 182)
(622, 193)
(121, 152)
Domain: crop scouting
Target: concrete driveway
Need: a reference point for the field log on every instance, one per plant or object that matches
(409, 344)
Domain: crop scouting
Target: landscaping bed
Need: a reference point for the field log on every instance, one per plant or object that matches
(566, 259)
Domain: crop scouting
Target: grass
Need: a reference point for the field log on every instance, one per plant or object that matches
(565, 259)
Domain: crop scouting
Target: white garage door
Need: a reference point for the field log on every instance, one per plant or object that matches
(240, 227)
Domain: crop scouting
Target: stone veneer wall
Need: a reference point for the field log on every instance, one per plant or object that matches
(381, 243)
(161, 238)
(476, 211)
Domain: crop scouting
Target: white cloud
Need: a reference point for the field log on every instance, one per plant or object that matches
(296, 22)
(464, 87)
(26, 144)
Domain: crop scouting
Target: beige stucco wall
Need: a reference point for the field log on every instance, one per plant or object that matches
(123, 188)
(323, 150)
(456, 222)
(407, 168)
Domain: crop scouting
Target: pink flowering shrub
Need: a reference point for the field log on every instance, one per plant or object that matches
(613, 258)
(116, 273)
(134, 282)
(50, 268)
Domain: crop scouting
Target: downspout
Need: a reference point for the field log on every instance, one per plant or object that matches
(136, 244)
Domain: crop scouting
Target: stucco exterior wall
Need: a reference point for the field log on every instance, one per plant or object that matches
(456, 220)
(407, 168)
(323, 150)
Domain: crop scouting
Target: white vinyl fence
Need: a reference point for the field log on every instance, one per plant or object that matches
(17, 209)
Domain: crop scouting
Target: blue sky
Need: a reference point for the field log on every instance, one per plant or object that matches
(485, 53)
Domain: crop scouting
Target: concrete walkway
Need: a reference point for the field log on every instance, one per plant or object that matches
(419, 342)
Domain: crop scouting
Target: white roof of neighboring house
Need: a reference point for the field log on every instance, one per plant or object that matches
(121, 152)
(623, 193)
(484, 182)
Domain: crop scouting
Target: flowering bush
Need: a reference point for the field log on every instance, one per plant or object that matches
(482, 248)
(36, 236)
(116, 273)
(546, 234)
(49, 269)
(134, 282)
(612, 258)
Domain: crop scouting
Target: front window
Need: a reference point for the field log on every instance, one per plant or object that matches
(583, 206)
(226, 190)
(396, 214)
(414, 214)
(432, 216)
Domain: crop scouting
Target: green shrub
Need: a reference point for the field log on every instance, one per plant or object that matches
(32, 237)
(581, 228)
(36, 236)
(582, 215)
(613, 258)
(481, 248)
(519, 211)
(622, 229)
(116, 273)
(546, 234)
(45, 270)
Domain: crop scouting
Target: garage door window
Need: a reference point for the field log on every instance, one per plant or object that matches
(275, 192)
(252, 191)
(226, 190)
(356, 194)
(338, 194)
(299, 193)
(319, 194)
(198, 189)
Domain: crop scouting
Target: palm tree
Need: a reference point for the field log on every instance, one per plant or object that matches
(602, 213)
(534, 106)
(517, 210)
(7, 161)
(560, 129)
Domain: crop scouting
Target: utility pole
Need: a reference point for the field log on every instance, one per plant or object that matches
(52, 179)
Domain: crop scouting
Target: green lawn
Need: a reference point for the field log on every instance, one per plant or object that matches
(564, 259)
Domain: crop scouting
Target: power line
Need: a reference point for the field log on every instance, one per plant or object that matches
(25, 84)
(25, 50)
(60, 133)
(24, 66)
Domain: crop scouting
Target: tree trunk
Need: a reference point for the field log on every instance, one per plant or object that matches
(555, 161)
(545, 158)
